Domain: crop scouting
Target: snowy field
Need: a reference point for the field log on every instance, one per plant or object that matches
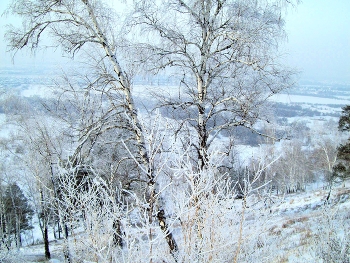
(291, 98)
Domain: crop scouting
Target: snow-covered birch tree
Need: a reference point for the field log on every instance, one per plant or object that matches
(225, 56)
(90, 25)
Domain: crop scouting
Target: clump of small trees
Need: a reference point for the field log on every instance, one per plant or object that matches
(15, 216)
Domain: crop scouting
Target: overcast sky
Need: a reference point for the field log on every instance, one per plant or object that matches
(318, 41)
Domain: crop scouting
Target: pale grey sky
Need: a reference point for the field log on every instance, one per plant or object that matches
(318, 41)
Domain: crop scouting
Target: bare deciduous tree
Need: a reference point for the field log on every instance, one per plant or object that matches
(224, 54)
(41, 145)
(75, 25)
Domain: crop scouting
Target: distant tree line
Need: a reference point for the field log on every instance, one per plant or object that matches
(285, 110)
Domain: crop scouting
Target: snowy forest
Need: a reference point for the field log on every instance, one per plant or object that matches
(166, 137)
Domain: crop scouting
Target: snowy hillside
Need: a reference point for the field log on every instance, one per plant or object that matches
(265, 227)
(301, 227)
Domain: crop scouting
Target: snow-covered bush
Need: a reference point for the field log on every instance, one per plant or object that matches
(199, 207)
(332, 239)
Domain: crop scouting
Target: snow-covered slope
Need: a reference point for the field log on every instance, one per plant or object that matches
(300, 227)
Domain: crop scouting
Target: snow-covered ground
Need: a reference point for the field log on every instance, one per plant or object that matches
(291, 228)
